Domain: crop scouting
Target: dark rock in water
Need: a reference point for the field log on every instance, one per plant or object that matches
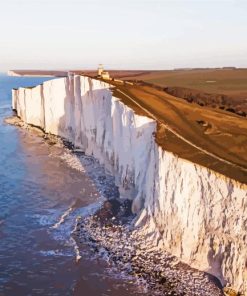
(114, 211)
(114, 205)
(108, 211)
(68, 144)
(125, 209)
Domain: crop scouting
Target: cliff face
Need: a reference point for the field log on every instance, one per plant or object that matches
(189, 210)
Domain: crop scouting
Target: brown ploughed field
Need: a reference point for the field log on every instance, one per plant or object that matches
(208, 136)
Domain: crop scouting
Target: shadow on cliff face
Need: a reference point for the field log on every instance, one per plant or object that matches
(78, 135)
(70, 129)
(86, 132)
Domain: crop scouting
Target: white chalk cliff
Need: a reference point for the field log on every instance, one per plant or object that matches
(189, 210)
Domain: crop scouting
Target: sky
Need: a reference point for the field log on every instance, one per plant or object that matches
(127, 34)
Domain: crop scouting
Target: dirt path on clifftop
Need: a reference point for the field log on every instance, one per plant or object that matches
(209, 137)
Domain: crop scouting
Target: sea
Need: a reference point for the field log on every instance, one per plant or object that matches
(41, 196)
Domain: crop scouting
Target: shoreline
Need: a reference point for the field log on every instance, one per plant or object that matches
(50, 247)
(123, 246)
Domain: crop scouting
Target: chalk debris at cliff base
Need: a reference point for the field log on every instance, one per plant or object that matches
(111, 234)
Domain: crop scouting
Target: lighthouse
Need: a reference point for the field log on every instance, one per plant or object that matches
(103, 74)
(100, 70)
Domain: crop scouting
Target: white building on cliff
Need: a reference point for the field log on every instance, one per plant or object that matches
(102, 73)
